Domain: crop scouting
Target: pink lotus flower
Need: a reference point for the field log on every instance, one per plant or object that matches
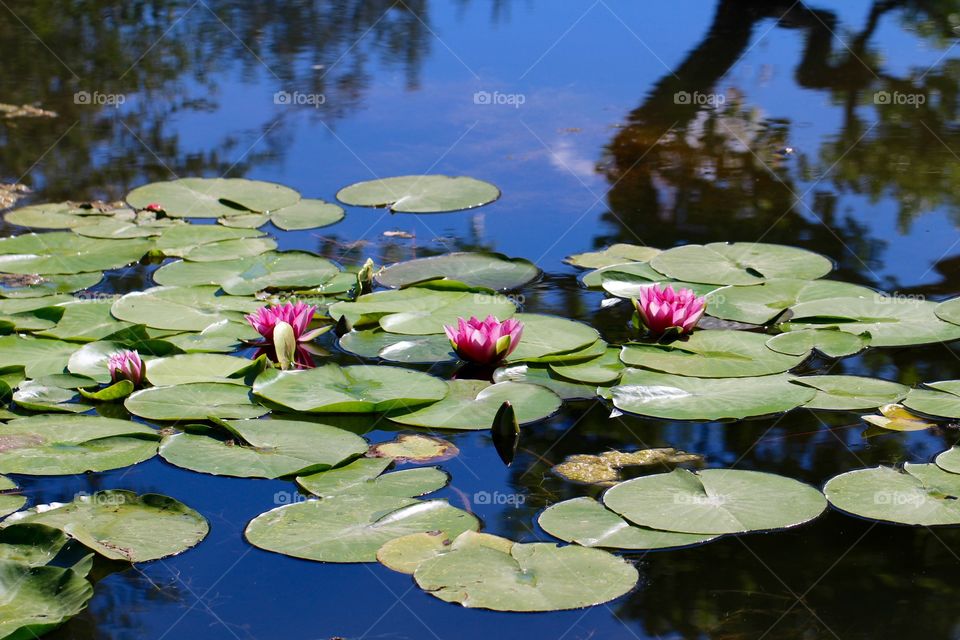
(126, 365)
(484, 341)
(284, 328)
(663, 309)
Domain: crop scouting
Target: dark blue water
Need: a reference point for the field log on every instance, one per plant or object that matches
(831, 126)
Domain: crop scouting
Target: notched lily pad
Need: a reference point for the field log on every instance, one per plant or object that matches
(415, 448)
(920, 494)
(420, 194)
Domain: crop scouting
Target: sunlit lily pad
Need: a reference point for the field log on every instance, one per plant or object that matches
(91, 359)
(307, 214)
(227, 249)
(601, 370)
(51, 445)
(545, 377)
(37, 396)
(9, 502)
(604, 469)
(715, 501)
(416, 448)
(31, 544)
(34, 286)
(851, 393)
(614, 254)
(213, 197)
(420, 194)
(628, 281)
(531, 577)
(405, 554)
(54, 215)
(830, 342)
(890, 321)
(38, 356)
(182, 308)
(940, 399)
(196, 401)
(949, 310)
(920, 494)
(545, 335)
(472, 404)
(365, 475)
(490, 270)
(122, 525)
(196, 367)
(712, 354)
(586, 522)
(263, 449)
(760, 303)
(85, 321)
(675, 397)
(350, 527)
(740, 263)
(246, 276)
(353, 389)
(39, 599)
(62, 252)
(633, 272)
(397, 347)
(894, 417)
(180, 240)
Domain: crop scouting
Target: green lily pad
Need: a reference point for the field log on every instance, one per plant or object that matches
(213, 197)
(419, 311)
(416, 448)
(420, 194)
(38, 356)
(9, 502)
(122, 525)
(220, 337)
(182, 239)
(365, 476)
(712, 354)
(245, 221)
(31, 544)
(242, 248)
(34, 286)
(604, 469)
(851, 393)
(473, 404)
(39, 599)
(65, 445)
(62, 252)
(85, 321)
(116, 391)
(36, 396)
(119, 228)
(921, 494)
(490, 270)
(740, 263)
(613, 255)
(758, 304)
(545, 335)
(891, 322)
(307, 214)
(91, 359)
(531, 577)
(264, 449)
(715, 501)
(606, 368)
(949, 310)
(405, 554)
(586, 522)
(941, 399)
(662, 395)
(628, 281)
(54, 215)
(353, 389)
(830, 342)
(195, 401)
(397, 347)
(949, 460)
(541, 375)
(630, 272)
(246, 276)
(350, 527)
(196, 367)
(182, 308)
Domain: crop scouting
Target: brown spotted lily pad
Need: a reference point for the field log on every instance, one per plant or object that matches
(415, 448)
(604, 469)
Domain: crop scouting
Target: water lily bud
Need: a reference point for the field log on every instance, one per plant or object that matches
(285, 344)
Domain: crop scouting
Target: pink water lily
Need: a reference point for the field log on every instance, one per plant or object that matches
(484, 342)
(284, 329)
(662, 309)
(126, 365)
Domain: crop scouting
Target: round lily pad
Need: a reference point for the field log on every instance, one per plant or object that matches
(54, 215)
(740, 263)
(613, 255)
(37, 396)
(851, 393)
(531, 577)
(674, 397)
(920, 494)
(949, 460)
(351, 527)
(9, 502)
(307, 214)
(600, 370)
(545, 335)
(416, 448)
(33, 286)
(62, 252)
(712, 354)
(760, 303)
(213, 198)
(227, 249)
(715, 501)
(195, 401)
(473, 404)
(941, 399)
(182, 308)
(264, 449)
(397, 347)
(830, 342)
(65, 445)
(196, 367)
(354, 389)
(545, 377)
(489, 270)
(405, 554)
(122, 525)
(420, 194)
(949, 310)
(182, 239)
(39, 599)
(246, 276)
(365, 475)
(586, 522)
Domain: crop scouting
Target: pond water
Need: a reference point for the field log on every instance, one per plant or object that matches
(827, 126)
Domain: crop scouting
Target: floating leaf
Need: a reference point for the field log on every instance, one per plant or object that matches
(586, 522)
(122, 525)
(34, 286)
(405, 554)
(613, 255)
(351, 527)
(545, 335)
(9, 502)
(67, 253)
(832, 343)
(949, 310)
(851, 393)
(740, 263)
(473, 404)
(195, 401)
(264, 449)
(895, 418)
(416, 448)
(354, 389)
(85, 321)
(920, 494)
(36, 396)
(31, 544)
(246, 276)
(38, 356)
(182, 308)
(213, 198)
(66, 445)
(949, 460)
(117, 391)
(600, 370)
(758, 304)
(604, 469)
(91, 360)
(541, 375)
(490, 270)
(227, 249)
(396, 347)
(420, 194)
(307, 214)
(715, 501)
(364, 476)
(196, 367)
(54, 215)
(39, 599)
(941, 399)
(180, 240)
